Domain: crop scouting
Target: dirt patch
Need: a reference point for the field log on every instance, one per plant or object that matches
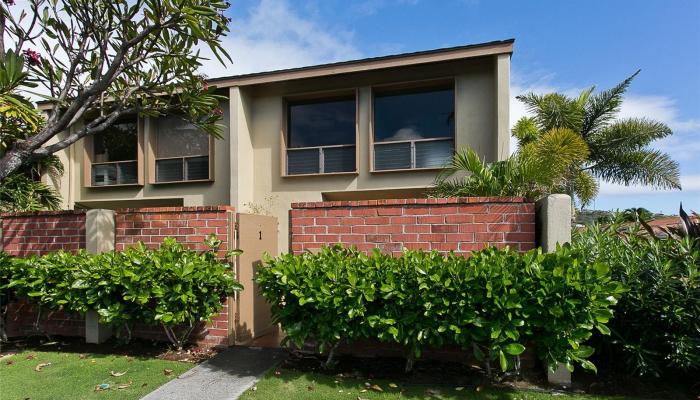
(611, 382)
(135, 348)
(426, 372)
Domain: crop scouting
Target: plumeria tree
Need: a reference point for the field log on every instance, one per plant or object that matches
(95, 61)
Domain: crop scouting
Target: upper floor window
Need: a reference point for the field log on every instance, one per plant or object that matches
(114, 158)
(182, 152)
(321, 136)
(413, 128)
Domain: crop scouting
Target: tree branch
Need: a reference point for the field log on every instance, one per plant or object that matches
(122, 56)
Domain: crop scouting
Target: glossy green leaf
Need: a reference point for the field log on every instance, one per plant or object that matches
(514, 349)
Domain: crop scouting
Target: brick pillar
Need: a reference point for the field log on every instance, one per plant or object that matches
(554, 226)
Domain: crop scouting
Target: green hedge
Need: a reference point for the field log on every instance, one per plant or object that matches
(171, 285)
(656, 329)
(495, 302)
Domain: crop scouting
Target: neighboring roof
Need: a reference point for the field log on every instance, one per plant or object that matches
(368, 64)
(670, 221)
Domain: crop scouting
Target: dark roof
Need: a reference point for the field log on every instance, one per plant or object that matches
(363, 60)
(350, 62)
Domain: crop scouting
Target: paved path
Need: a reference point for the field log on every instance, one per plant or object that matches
(224, 377)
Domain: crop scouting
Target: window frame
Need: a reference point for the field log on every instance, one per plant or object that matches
(153, 158)
(421, 85)
(89, 156)
(319, 96)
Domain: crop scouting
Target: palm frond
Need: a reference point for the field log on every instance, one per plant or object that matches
(602, 107)
(554, 155)
(642, 167)
(553, 110)
(466, 160)
(20, 193)
(585, 187)
(469, 175)
(526, 131)
(49, 165)
(582, 98)
(626, 135)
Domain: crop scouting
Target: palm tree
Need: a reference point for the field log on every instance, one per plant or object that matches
(23, 189)
(19, 192)
(619, 149)
(636, 214)
(537, 169)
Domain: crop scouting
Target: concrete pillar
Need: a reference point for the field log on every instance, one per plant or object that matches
(95, 332)
(100, 229)
(502, 106)
(554, 226)
(553, 221)
(241, 149)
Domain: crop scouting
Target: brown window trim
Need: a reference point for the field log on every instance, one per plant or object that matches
(152, 146)
(427, 84)
(88, 154)
(319, 95)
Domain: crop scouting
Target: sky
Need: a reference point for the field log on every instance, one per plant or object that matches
(562, 46)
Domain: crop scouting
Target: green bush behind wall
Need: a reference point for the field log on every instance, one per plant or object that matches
(172, 285)
(656, 329)
(495, 302)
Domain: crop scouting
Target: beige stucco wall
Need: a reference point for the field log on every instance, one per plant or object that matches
(477, 123)
(62, 183)
(247, 159)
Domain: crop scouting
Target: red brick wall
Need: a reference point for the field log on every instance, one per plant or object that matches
(461, 225)
(42, 232)
(37, 233)
(189, 225)
(22, 321)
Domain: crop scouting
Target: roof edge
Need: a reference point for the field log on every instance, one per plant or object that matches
(364, 64)
(370, 63)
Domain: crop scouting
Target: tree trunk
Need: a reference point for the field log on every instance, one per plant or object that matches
(3, 323)
(410, 360)
(10, 162)
(331, 354)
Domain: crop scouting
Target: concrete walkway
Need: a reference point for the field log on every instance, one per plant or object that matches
(224, 377)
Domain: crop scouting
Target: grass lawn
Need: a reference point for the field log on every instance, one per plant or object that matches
(73, 375)
(290, 384)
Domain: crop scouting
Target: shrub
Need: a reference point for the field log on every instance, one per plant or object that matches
(49, 280)
(5, 295)
(172, 286)
(656, 328)
(495, 302)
